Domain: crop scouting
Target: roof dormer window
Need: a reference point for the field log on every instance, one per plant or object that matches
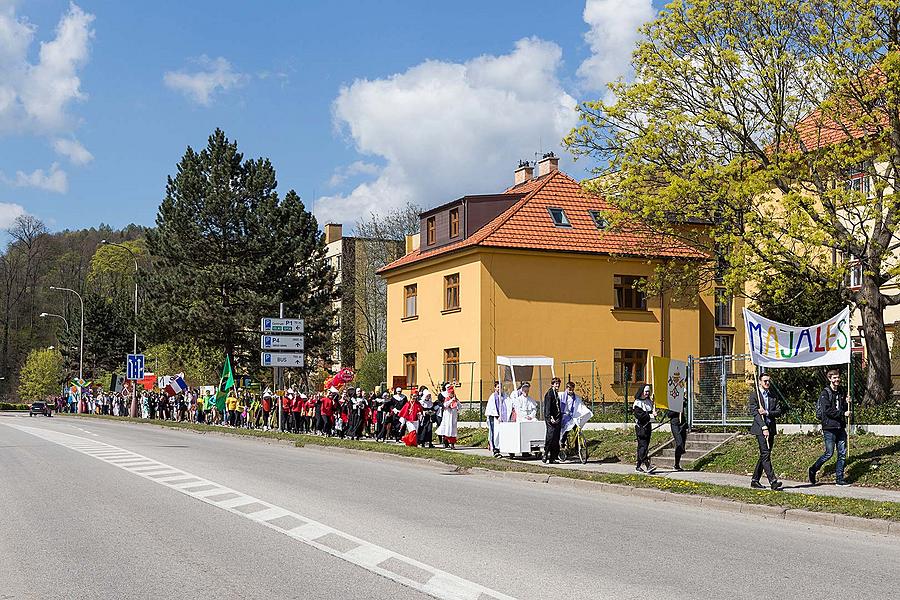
(599, 220)
(559, 217)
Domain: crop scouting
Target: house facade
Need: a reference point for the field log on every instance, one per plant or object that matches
(535, 271)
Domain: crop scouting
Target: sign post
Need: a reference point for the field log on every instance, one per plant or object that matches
(282, 344)
(134, 367)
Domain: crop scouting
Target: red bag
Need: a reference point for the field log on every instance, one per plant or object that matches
(411, 438)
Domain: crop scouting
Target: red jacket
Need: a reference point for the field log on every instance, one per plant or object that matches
(327, 406)
(411, 411)
(298, 404)
(267, 404)
(285, 404)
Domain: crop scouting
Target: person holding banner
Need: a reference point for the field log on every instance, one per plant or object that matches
(832, 410)
(764, 406)
(679, 427)
(644, 413)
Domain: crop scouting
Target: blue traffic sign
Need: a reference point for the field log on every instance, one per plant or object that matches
(134, 367)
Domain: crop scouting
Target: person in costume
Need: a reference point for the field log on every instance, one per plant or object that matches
(449, 419)
(524, 407)
(644, 413)
(496, 411)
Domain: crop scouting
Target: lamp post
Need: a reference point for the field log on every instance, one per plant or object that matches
(134, 404)
(44, 315)
(81, 342)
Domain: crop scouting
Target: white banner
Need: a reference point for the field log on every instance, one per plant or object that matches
(777, 345)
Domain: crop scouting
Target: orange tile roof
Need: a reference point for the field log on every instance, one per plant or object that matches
(527, 225)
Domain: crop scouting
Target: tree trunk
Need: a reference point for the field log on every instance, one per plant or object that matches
(878, 355)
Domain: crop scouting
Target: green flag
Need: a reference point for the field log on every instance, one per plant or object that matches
(226, 382)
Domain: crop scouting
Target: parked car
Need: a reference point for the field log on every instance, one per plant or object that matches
(40, 408)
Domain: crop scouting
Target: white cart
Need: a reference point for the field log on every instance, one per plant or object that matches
(521, 438)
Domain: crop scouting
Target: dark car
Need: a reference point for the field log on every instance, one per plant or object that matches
(40, 408)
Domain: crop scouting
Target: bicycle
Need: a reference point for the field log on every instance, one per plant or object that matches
(579, 446)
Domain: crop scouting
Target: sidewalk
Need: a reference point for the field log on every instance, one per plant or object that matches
(791, 487)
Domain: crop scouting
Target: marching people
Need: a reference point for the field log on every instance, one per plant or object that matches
(426, 419)
(833, 409)
(447, 429)
(644, 413)
(553, 419)
(678, 425)
(765, 407)
(496, 411)
(410, 415)
(386, 418)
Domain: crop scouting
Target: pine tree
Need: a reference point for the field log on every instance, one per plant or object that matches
(227, 250)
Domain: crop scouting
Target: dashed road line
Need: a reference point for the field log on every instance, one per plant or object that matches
(376, 559)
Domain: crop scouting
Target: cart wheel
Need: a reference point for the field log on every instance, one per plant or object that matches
(583, 453)
(511, 455)
(562, 455)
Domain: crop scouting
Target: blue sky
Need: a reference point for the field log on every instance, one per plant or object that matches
(361, 106)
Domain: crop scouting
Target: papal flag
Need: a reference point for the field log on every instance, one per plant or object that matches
(669, 383)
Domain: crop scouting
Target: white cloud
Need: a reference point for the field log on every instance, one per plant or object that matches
(342, 174)
(9, 212)
(34, 97)
(612, 37)
(73, 150)
(210, 76)
(448, 129)
(54, 180)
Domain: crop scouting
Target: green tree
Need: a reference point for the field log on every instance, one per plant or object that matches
(41, 375)
(200, 364)
(746, 117)
(373, 370)
(227, 250)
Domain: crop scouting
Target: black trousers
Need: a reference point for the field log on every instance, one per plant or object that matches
(679, 434)
(765, 457)
(551, 440)
(425, 431)
(643, 444)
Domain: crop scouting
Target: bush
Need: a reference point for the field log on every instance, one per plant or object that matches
(11, 406)
(373, 370)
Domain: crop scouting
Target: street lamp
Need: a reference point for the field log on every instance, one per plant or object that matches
(81, 343)
(134, 405)
(44, 315)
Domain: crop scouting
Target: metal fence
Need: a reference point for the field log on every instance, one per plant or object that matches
(718, 387)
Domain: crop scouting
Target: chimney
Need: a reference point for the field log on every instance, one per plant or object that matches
(412, 242)
(524, 172)
(333, 232)
(548, 164)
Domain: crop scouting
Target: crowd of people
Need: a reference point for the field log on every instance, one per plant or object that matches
(415, 419)
(353, 413)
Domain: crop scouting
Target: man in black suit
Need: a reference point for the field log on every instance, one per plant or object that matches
(553, 419)
(765, 407)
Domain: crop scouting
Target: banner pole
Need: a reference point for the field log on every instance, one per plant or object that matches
(849, 401)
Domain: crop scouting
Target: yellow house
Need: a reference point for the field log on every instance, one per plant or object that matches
(534, 271)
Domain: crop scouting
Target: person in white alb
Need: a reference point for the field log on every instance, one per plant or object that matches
(496, 411)
(524, 408)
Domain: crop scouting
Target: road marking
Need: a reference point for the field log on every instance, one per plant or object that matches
(376, 559)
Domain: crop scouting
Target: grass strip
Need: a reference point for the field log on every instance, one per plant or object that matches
(856, 507)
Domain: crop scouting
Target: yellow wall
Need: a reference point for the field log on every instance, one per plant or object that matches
(544, 303)
(433, 330)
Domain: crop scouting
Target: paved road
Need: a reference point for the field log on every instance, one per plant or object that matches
(98, 509)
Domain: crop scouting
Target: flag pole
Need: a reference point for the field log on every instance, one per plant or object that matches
(849, 399)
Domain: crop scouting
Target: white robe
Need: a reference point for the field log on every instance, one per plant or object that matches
(449, 419)
(573, 411)
(525, 406)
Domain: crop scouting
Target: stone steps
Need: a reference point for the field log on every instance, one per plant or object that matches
(698, 445)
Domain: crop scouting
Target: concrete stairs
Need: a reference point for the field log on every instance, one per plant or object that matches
(698, 445)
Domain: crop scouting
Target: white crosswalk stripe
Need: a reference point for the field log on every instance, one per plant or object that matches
(387, 563)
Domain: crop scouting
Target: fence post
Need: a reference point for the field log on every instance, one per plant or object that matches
(625, 412)
(724, 383)
(690, 391)
(593, 391)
